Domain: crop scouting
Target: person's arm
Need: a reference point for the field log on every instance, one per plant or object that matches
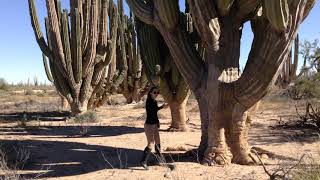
(165, 105)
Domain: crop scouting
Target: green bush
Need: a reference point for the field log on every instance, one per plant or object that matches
(306, 87)
(3, 84)
(89, 116)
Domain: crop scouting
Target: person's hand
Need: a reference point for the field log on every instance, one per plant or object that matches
(165, 105)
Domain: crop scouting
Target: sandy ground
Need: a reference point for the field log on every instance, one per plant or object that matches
(114, 145)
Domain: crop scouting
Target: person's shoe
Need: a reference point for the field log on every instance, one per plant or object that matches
(159, 155)
(145, 157)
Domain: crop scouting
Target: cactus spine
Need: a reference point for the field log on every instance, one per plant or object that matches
(77, 53)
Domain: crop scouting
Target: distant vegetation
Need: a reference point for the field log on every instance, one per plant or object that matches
(3, 84)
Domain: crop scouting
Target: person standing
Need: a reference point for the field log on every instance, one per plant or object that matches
(151, 126)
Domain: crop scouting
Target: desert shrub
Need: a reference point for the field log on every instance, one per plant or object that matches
(28, 92)
(308, 169)
(84, 119)
(305, 87)
(87, 117)
(13, 155)
(311, 174)
(3, 84)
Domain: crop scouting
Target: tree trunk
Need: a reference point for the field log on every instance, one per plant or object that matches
(178, 114)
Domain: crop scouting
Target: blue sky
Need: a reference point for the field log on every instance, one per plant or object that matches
(21, 58)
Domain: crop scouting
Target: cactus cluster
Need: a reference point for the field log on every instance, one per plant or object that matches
(79, 46)
(135, 83)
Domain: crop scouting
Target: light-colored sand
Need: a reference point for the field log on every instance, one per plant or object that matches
(115, 144)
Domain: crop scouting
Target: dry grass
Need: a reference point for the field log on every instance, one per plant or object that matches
(13, 157)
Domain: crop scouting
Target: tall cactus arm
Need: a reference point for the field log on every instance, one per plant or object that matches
(123, 58)
(142, 9)
(58, 8)
(112, 44)
(277, 12)
(206, 22)
(66, 43)
(77, 63)
(186, 58)
(246, 9)
(309, 6)
(168, 12)
(85, 26)
(37, 31)
(46, 67)
(268, 49)
(123, 67)
(295, 57)
(224, 6)
(103, 32)
(92, 42)
(54, 27)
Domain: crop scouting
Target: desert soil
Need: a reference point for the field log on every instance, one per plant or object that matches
(113, 148)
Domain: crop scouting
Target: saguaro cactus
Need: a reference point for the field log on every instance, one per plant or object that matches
(223, 106)
(78, 51)
(173, 88)
(134, 86)
(289, 68)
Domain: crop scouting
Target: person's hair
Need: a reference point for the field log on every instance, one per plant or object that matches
(150, 91)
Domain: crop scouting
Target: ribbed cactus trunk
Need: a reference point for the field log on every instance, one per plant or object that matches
(224, 105)
(178, 115)
(79, 47)
(162, 72)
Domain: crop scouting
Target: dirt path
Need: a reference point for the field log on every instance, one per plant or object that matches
(115, 144)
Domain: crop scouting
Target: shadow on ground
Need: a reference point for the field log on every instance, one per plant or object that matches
(42, 116)
(63, 159)
(70, 131)
(264, 135)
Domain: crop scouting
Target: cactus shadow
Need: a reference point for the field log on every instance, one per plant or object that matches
(50, 132)
(63, 159)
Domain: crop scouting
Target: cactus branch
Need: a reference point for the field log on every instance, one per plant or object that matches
(142, 9)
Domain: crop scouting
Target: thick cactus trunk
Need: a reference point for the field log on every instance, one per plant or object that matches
(64, 103)
(178, 115)
(224, 105)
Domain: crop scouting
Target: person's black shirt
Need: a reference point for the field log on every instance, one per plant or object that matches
(152, 110)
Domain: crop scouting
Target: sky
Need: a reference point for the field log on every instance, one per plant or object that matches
(21, 59)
